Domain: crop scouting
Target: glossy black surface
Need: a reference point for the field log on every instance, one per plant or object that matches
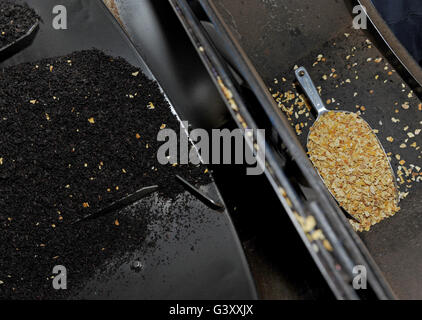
(160, 38)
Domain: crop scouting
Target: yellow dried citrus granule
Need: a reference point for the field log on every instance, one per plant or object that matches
(354, 167)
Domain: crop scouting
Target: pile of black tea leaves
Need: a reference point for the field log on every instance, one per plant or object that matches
(77, 133)
(15, 21)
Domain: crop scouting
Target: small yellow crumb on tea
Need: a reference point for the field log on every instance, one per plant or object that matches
(116, 222)
(91, 120)
(390, 139)
(162, 126)
(85, 205)
(138, 136)
(151, 105)
(135, 73)
(354, 167)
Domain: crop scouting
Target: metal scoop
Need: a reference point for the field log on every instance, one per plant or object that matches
(20, 43)
(308, 87)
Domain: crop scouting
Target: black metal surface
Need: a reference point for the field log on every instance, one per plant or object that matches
(405, 19)
(122, 203)
(395, 51)
(158, 36)
(288, 33)
(335, 261)
(201, 196)
(199, 255)
(17, 45)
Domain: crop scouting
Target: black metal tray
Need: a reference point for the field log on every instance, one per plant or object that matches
(206, 260)
(276, 36)
(17, 45)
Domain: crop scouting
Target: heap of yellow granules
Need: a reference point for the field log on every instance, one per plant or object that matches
(354, 167)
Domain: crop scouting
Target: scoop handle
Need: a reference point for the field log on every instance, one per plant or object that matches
(308, 86)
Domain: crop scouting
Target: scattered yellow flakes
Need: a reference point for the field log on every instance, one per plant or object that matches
(402, 146)
(390, 139)
(91, 120)
(33, 101)
(135, 74)
(1, 161)
(117, 187)
(47, 116)
(151, 105)
(51, 68)
(85, 205)
(138, 136)
(327, 245)
(206, 171)
(162, 126)
(116, 222)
